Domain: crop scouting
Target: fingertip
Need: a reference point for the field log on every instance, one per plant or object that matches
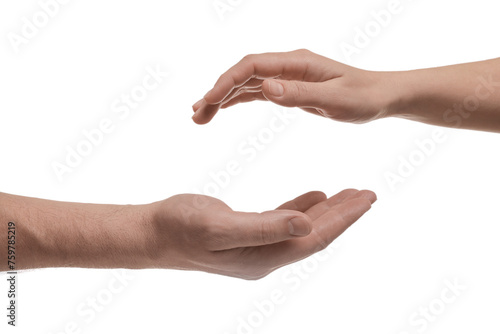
(348, 192)
(362, 204)
(266, 87)
(317, 196)
(275, 88)
(197, 105)
(369, 195)
(343, 196)
(205, 113)
(300, 226)
(198, 119)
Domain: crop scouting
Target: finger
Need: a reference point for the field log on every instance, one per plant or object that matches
(296, 93)
(266, 65)
(368, 194)
(327, 228)
(244, 98)
(252, 85)
(197, 105)
(304, 202)
(301, 65)
(259, 96)
(209, 111)
(205, 113)
(256, 229)
(319, 209)
(344, 196)
(335, 221)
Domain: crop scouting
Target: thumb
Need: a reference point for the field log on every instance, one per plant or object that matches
(289, 93)
(255, 229)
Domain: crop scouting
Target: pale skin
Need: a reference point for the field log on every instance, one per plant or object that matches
(187, 232)
(465, 96)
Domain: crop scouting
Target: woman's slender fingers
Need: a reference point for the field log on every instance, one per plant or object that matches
(253, 85)
(244, 98)
(266, 65)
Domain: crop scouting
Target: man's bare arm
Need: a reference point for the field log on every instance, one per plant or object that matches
(61, 234)
(190, 232)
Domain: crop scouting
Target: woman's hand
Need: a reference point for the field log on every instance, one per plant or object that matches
(301, 79)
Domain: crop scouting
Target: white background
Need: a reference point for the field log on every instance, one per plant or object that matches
(441, 224)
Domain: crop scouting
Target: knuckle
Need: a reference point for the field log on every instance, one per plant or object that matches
(299, 90)
(248, 58)
(302, 88)
(302, 51)
(267, 232)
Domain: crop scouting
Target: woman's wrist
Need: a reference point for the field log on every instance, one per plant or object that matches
(400, 90)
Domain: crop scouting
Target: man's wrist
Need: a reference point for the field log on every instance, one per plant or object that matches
(128, 238)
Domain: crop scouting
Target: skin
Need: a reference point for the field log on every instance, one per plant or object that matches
(187, 232)
(463, 96)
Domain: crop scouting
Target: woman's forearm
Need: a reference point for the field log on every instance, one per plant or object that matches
(461, 96)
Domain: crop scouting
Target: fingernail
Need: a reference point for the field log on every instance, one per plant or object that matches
(298, 227)
(369, 195)
(275, 88)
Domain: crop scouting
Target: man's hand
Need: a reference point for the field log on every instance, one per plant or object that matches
(300, 79)
(190, 232)
(195, 232)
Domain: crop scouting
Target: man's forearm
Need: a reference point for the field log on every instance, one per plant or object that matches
(460, 96)
(60, 234)
(186, 231)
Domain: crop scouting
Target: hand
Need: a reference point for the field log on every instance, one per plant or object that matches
(195, 232)
(301, 79)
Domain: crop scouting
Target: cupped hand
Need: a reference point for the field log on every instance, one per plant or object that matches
(196, 232)
(302, 79)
